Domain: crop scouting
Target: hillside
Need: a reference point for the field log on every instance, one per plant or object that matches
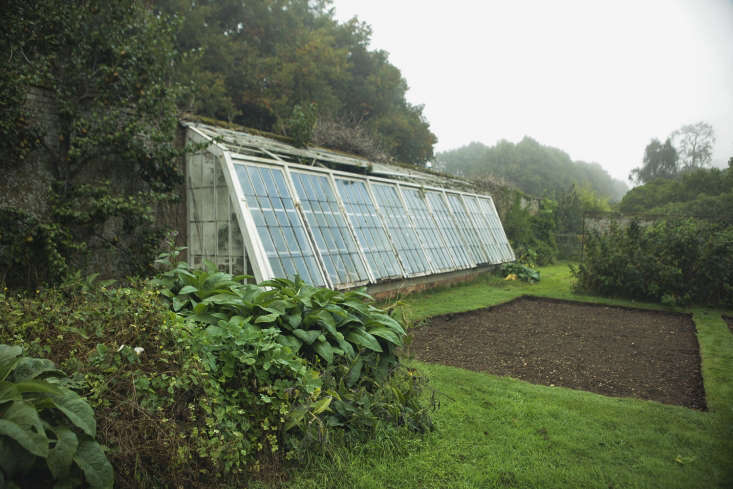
(539, 170)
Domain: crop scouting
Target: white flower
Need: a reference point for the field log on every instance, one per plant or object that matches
(138, 350)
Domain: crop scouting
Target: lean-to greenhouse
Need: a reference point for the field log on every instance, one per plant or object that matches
(264, 208)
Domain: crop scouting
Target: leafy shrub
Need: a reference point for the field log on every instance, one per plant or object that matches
(674, 262)
(46, 430)
(339, 334)
(206, 395)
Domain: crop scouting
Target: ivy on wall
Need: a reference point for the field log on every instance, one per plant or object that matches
(107, 138)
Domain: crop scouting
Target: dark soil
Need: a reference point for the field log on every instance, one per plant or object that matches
(729, 321)
(615, 351)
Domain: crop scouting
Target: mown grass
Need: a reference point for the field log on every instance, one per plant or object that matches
(500, 432)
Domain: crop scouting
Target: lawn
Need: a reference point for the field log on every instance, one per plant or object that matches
(500, 432)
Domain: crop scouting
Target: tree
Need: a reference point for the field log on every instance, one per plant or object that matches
(694, 143)
(660, 161)
(253, 62)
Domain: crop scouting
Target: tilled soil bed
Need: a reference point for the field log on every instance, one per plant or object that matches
(615, 351)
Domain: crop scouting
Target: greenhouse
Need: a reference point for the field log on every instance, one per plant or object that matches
(261, 207)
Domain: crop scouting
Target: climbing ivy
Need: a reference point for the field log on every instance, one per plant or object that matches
(108, 135)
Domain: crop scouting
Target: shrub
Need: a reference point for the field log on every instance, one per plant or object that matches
(674, 262)
(232, 382)
(47, 432)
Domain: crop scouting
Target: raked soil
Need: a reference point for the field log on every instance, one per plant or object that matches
(609, 350)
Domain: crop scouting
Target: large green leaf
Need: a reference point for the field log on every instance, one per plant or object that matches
(30, 368)
(325, 350)
(93, 462)
(355, 372)
(308, 337)
(321, 405)
(22, 423)
(8, 393)
(346, 347)
(387, 334)
(8, 359)
(322, 318)
(362, 338)
(61, 456)
(77, 410)
(292, 342)
(387, 321)
(187, 290)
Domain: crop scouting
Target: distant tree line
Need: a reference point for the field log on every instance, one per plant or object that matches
(539, 170)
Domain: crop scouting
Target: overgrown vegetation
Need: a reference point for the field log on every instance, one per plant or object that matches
(47, 432)
(94, 82)
(705, 193)
(221, 380)
(669, 261)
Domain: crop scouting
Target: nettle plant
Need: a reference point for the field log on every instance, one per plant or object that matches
(47, 432)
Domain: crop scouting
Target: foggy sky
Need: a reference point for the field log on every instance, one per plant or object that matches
(596, 79)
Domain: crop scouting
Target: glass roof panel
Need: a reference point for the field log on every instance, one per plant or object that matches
(468, 231)
(453, 235)
(400, 229)
(337, 246)
(266, 196)
(431, 236)
(488, 209)
(368, 228)
(482, 225)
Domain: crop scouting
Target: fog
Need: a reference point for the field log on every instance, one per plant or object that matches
(598, 80)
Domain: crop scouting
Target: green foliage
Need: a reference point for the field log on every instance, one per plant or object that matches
(339, 334)
(538, 170)
(239, 378)
(299, 126)
(253, 62)
(532, 235)
(675, 262)
(47, 432)
(31, 251)
(107, 69)
(704, 193)
(523, 272)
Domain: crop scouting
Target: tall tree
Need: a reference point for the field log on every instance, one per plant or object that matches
(694, 143)
(254, 62)
(660, 161)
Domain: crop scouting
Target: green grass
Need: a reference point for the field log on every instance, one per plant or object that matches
(500, 432)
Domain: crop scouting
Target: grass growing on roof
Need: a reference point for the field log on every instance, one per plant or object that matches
(500, 432)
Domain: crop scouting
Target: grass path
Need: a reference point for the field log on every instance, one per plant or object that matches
(500, 432)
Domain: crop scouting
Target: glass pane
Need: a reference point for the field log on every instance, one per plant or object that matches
(447, 225)
(278, 225)
(431, 236)
(400, 229)
(335, 243)
(468, 231)
(483, 229)
(370, 231)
